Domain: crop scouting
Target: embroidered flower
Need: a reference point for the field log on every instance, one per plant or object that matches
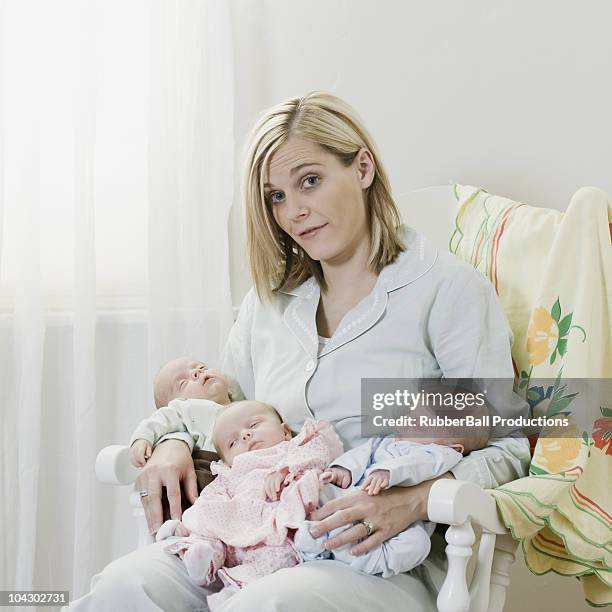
(602, 432)
(556, 455)
(547, 334)
(542, 336)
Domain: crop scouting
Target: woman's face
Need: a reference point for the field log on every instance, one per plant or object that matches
(318, 200)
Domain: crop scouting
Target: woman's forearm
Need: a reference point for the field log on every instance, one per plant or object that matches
(415, 498)
(502, 461)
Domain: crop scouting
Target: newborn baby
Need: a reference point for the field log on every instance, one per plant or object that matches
(378, 464)
(239, 527)
(188, 395)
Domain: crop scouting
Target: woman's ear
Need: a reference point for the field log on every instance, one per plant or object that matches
(366, 168)
(288, 432)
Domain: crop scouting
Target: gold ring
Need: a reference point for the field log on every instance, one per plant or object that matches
(369, 528)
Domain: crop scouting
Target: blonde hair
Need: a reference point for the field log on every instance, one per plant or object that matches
(277, 262)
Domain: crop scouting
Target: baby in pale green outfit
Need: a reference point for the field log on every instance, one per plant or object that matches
(188, 395)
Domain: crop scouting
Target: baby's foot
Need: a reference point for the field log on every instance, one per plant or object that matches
(198, 558)
(166, 530)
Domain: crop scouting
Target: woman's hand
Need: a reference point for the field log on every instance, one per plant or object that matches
(389, 512)
(169, 466)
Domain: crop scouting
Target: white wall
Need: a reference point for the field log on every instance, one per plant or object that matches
(510, 95)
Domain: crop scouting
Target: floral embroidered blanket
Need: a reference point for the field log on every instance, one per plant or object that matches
(553, 273)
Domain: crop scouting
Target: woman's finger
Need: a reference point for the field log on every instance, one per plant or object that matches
(337, 519)
(173, 493)
(332, 506)
(190, 485)
(352, 535)
(153, 509)
(377, 538)
(151, 502)
(369, 544)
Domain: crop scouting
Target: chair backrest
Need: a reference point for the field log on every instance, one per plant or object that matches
(431, 211)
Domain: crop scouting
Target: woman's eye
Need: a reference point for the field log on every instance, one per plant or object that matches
(276, 197)
(310, 181)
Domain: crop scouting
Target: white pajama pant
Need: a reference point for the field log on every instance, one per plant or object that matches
(151, 580)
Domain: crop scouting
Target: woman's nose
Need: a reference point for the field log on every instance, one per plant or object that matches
(296, 209)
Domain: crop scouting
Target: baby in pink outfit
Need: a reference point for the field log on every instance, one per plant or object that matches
(241, 527)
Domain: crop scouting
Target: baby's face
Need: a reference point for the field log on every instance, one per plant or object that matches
(246, 426)
(191, 379)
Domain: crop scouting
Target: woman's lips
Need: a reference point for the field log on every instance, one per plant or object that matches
(312, 232)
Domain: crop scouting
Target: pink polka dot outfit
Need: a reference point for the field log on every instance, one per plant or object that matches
(250, 535)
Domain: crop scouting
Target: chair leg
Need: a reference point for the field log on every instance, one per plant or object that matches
(503, 558)
(454, 595)
(480, 587)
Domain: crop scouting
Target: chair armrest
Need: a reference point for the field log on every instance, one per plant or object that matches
(453, 502)
(113, 465)
(462, 504)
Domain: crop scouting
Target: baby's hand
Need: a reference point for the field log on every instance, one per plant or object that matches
(274, 484)
(377, 481)
(140, 451)
(336, 475)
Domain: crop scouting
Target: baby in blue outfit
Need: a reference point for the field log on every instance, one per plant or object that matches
(374, 466)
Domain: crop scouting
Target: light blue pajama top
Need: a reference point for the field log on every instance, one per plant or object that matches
(429, 315)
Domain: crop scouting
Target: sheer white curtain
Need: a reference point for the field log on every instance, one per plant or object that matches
(116, 177)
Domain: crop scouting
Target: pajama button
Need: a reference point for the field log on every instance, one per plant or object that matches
(310, 366)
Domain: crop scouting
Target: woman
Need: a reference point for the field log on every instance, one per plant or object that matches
(341, 292)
